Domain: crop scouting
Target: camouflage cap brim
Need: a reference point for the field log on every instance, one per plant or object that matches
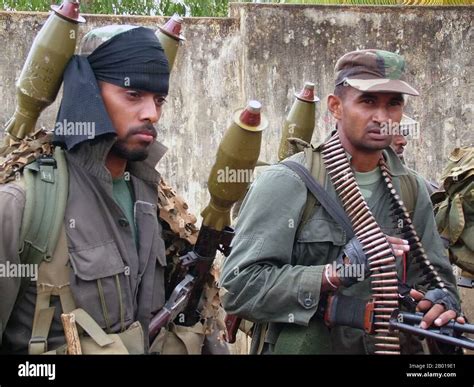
(383, 85)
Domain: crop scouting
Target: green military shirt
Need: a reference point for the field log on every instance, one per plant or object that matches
(273, 274)
(122, 191)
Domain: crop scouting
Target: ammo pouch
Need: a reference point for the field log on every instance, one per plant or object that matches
(179, 340)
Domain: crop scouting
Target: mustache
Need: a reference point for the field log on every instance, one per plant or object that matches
(374, 127)
(143, 129)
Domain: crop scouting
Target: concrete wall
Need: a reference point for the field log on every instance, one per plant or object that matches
(285, 45)
(267, 52)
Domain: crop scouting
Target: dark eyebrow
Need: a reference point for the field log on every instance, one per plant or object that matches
(366, 95)
(398, 97)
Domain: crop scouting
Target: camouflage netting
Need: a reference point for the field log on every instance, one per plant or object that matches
(16, 154)
(454, 208)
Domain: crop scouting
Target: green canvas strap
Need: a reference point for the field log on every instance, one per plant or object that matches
(46, 182)
(39, 339)
(92, 328)
(46, 195)
(41, 322)
(86, 322)
(121, 305)
(67, 301)
(316, 167)
(103, 304)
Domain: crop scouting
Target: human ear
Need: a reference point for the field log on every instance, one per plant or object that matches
(335, 106)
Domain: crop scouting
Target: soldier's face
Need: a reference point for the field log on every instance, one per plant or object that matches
(398, 144)
(366, 119)
(133, 114)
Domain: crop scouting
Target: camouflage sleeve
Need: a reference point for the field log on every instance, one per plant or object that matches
(260, 282)
(12, 202)
(425, 226)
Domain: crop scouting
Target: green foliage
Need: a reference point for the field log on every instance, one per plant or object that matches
(217, 8)
(129, 7)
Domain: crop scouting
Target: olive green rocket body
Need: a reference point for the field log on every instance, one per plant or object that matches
(170, 38)
(42, 73)
(235, 161)
(300, 121)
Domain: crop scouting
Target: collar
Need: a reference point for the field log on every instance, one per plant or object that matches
(394, 164)
(90, 155)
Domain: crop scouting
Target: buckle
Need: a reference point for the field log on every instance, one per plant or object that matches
(46, 160)
(46, 165)
(35, 342)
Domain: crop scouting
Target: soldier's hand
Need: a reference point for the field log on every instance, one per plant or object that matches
(352, 263)
(399, 246)
(440, 308)
(353, 254)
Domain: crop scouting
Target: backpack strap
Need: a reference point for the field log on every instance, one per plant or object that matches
(46, 195)
(46, 185)
(317, 190)
(316, 167)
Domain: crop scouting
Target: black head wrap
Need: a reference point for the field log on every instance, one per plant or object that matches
(131, 59)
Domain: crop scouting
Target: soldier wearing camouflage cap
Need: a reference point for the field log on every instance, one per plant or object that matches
(108, 266)
(373, 71)
(280, 271)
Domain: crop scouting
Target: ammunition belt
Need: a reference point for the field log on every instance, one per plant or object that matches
(402, 219)
(380, 257)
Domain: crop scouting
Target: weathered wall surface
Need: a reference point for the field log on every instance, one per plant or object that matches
(267, 52)
(286, 45)
(205, 88)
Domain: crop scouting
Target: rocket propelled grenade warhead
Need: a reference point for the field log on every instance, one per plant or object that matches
(300, 121)
(170, 38)
(235, 162)
(42, 73)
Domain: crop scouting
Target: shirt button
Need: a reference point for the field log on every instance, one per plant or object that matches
(308, 301)
(123, 222)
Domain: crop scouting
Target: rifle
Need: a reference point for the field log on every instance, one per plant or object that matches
(451, 333)
(232, 172)
(358, 313)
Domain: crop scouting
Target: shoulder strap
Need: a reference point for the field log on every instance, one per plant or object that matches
(46, 195)
(409, 191)
(330, 205)
(317, 170)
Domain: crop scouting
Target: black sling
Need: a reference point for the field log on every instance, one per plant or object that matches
(330, 205)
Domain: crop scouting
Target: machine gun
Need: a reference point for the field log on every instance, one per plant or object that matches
(358, 313)
(451, 333)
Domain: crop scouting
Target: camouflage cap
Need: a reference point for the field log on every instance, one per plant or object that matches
(97, 36)
(373, 71)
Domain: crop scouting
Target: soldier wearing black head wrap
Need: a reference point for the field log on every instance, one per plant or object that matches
(108, 266)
